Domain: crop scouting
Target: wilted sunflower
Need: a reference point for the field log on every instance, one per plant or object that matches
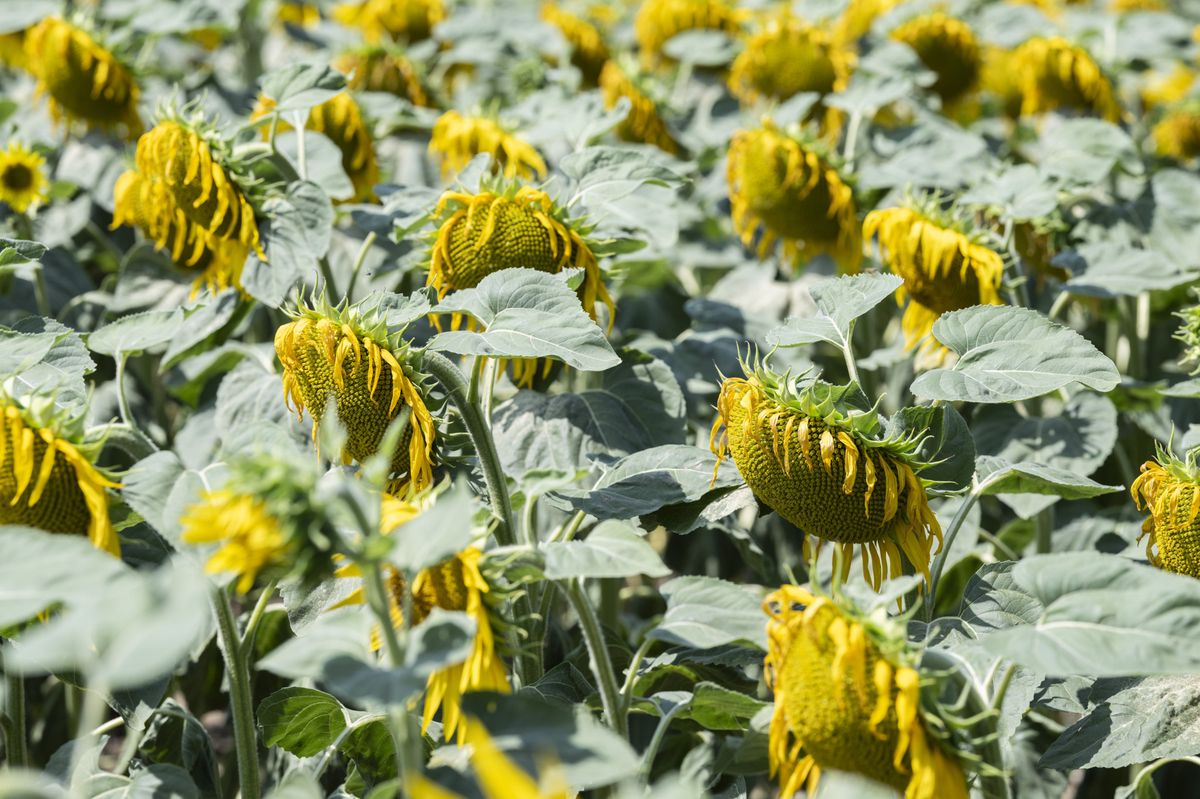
(826, 467)
(404, 21)
(340, 119)
(589, 51)
(456, 139)
(149, 206)
(497, 775)
(658, 21)
(948, 48)
(787, 56)
(48, 476)
(848, 697)
(23, 181)
(783, 189)
(1169, 488)
(379, 69)
(944, 267)
(643, 124)
(456, 584)
(1177, 134)
(347, 353)
(85, 83)
(193, 164)
(1055, 74)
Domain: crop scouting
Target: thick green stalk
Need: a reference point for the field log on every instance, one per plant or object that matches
(241, 702)
(939, 560)
(17, 752)
(602, 668)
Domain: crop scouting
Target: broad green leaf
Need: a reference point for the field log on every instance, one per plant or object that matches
(946, 443)
(175, 737)
(60, 372)
(1116, 269)
(704, 48)
(136, 333)
(343, 633)
(715, 707)
(40, 569)
(295, 236)
(1018, 193)
(609, 173)
(690, 619)
(1084, 151)
(298, 87)
(302, 721)
(1009, 354)
(438, 533)
(322, 162)
(840, 301)
(202, 325)
(999, 476)
(612, 549)
(846, 785)
(297, 784)
(527, 314)
(19, 251)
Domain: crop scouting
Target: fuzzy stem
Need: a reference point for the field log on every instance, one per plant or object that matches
(256, 616)
(660, 732)
(1043, 523)
(240, 699)
(359, 260)
(939, 560)
(598, 659)
(16, 751)
(631, 675)
(122, 399)
(848, 354)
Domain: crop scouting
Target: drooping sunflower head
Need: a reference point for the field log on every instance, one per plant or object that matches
(786, 56)
(1163, 90)
(263, 521)
(382, 69)
(23, 183)
(347, 353)
(341, 120)
(48, 473)
(1169, 490)
(193, 163)
(404, 21)
(945, 264)
(149, 206)
(457, 138)
(782, 189)
(644, 123)
(657, 21)
(589, 51)
(510, 227)
(84, 82)
(948, 48)
(822, 462)
(12, 49)
(848, 696)
(1177, 134)
(1057, 75)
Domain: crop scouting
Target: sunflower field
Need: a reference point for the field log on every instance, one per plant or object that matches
(539, 399)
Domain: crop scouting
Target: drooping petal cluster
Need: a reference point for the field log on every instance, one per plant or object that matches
(643, 124)
(404, 21)
(457, 138)
(1169, 490)
(658, 21)
(589, 50)
(1177, 134)
(1054, 74)
(250, 538)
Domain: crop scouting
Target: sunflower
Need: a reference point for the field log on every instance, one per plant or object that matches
(589, 51)
(482, 233)
(858, 17)
(999, 77)
(347, 353)
(23, 181)
(497, 775)
(85, 83)
(1169, 488)
(826, 467)
(1054, 74)
(194, 167)
(944, 268)
(48, 476)
(404, 21)
(456, 139)
(149, 206)
(782, 189)
(787, 56)
(1177, 134)
(340, 119)
(848, 697)
(1164, 90)
(948, 48)
(643, 124)
(12, 49)
(658, 21)
(251, 539)
(379, 69)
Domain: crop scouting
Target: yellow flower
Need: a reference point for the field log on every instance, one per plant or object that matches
(643, 124)
(948, 48)
(12, 48)
(999, 77)
(943, 268)
(299, 13)
(251, 538)
(405, 21)
(1177, 134)
(347, 354)
(340, 119)
(85, 83)
(48, 479)
(657, 21)
(23, 181)
(1054, 75)
(848, 698)
(200, 184)
(1170, 490)
(787, 56)
(497, 775)
(1163, 90)
(148, 205)
(456, 139)
(827, 470)
(589, 51)
(782, 190)
(858, 17)
(377, 69)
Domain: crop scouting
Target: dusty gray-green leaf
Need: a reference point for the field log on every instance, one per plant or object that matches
(298, 87)
(1008, 354)
(716, 707)
(840, 301)
(436, 534)
(1084, 151)
(690, 619)
(302, 721)
(136, 333)
(612, 549)
(999, 476)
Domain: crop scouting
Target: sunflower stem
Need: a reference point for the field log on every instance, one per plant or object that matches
(91, 713)
(848, 354)
(631, 676)
(359, 260)
(256, 616)
(598, 659)
(850, 145)
(939, 560)
(377, 599)
(16, 750)
(39, 290)
(660, 732)
(122, 398)
(298, 122)
(240, 699)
